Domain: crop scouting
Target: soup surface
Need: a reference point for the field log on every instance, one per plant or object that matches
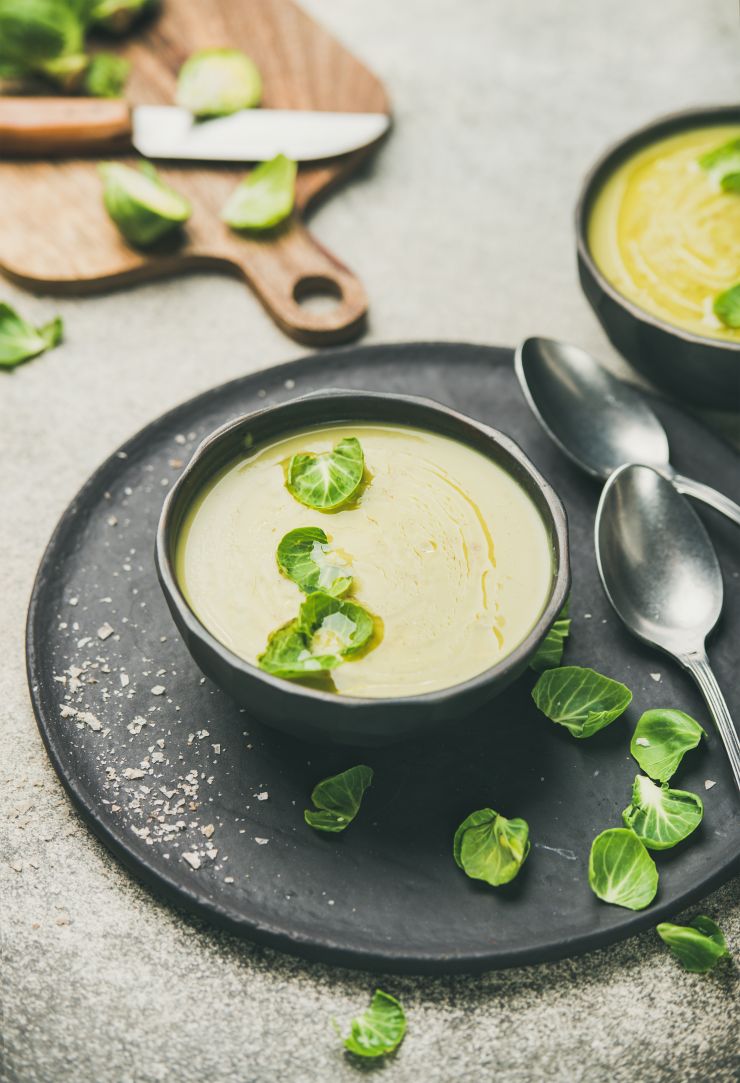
(443, 546)
(666, 236)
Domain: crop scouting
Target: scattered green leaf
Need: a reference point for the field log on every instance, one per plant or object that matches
(328, 480)
(727, 307)
(335, 625)
(288, 654)
(217, 82)
(580, 699)
(699, 945)
(264, 198)
(621, 871)
(304, 556)
(379, 1030)
(20, 341)
(338, 799)
(723, 163)
(142, 206)
(106, 75)
(661, 739)
(549, 654)
(660, 817)
(489, 847)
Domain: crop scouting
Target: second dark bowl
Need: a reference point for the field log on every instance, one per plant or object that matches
(326, 716)
(705, 371)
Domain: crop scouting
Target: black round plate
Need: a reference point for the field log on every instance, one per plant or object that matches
(385, 894)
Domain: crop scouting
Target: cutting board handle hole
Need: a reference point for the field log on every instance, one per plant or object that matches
(317, 293)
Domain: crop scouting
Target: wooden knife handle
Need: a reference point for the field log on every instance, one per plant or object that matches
(42, 127)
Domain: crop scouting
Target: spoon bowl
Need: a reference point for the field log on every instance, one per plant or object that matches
(661, 574)
(656, 561)
(598, 421)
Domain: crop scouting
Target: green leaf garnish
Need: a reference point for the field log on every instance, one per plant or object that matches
(549, 654)
(327, 480)
(304, 556)
(489, 847)
(264, 198)
(724, 165)
(379, 1030)
(661, 739)
(288, 654)
(143, 207)
(727, 307)
(335, 625)
(699, 945)
(20, 341)
(661, 817)
(326, 632)
(580, 699)
(621, 871)
(338, 799)
(106, 75)
(217, 82)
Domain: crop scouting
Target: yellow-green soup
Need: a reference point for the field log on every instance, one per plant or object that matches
(666, 236)
(443, 546)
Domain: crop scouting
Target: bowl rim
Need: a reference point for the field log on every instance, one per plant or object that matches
(297, 693)
(700, 116)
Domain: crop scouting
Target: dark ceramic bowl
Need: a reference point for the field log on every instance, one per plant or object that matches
(326, 716)
(705, 371)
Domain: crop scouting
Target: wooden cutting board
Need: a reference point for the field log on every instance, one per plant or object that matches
(55, 234)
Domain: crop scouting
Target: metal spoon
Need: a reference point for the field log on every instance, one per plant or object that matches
(599, 421)
(661, 574)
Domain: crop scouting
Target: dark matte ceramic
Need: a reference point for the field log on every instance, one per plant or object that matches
(327, 716)
(705, 371)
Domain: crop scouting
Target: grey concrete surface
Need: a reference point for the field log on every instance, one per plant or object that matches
(461, 230)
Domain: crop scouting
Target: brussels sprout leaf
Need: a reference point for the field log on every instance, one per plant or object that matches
(699, 945)
(288, 654)
(580, 699)
(142, 206)
(549, 654)
(727, 306)
(621, 871)
(661, 817)
(217, 82)
(328, 480)
(724, 164)
(326, 631)
(379, 1030)
(304, 556)
(20, 341)
(264, 198)
(661, 738)
(489, 847)
(106, 75)
(338, 799)
(334, 625)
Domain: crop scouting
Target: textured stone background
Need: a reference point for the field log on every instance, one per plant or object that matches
(462, 230)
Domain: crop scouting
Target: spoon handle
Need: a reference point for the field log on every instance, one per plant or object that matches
(698, 667)
(708, 495)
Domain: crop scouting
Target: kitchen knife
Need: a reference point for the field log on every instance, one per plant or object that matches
(34, 127)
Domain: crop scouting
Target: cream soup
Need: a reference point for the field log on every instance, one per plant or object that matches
(667, 236)
(445, 549)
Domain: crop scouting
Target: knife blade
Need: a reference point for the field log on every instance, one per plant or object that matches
(34, 126)
(252, 135)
